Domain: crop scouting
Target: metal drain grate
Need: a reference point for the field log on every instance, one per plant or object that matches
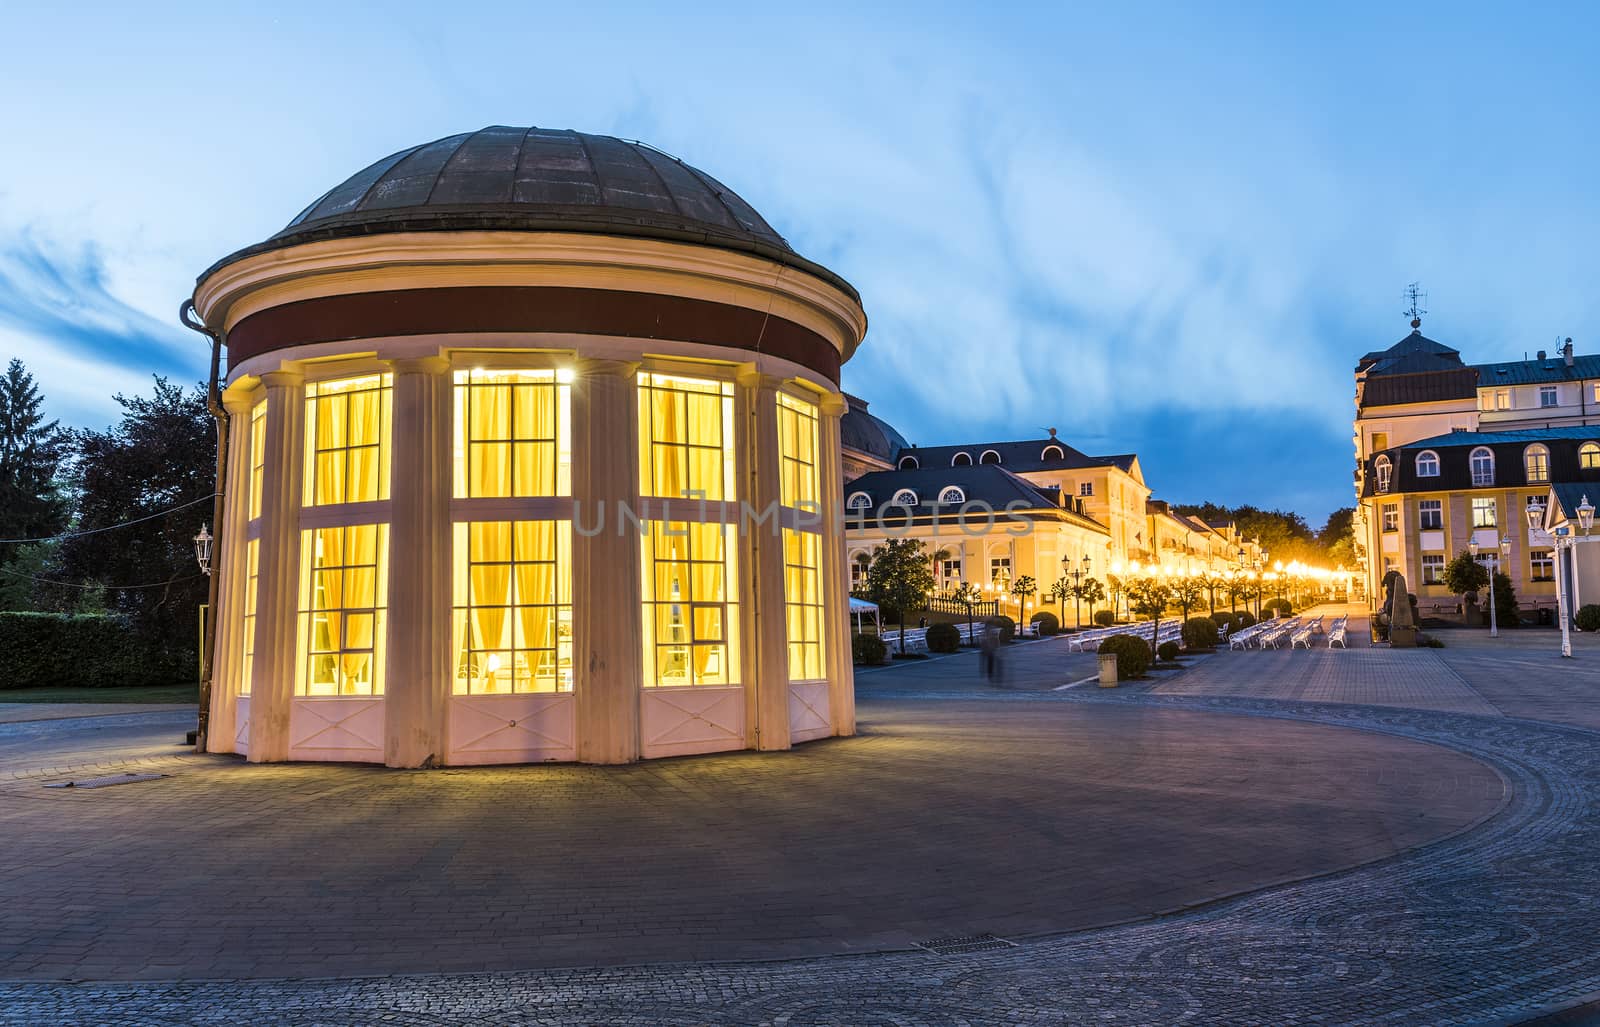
(965, 943)
(106, 782)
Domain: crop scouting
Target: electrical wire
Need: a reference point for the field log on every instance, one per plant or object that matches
(110, 527)
(96, 584)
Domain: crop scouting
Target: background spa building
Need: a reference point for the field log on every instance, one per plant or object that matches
(532, 432)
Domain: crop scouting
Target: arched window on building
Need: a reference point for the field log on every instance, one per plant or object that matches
(1482, 461)
(905, 497)
(1589, 456)
(1427, 464)
(961, 460)
(951, 495)
(989, 457)
(860, 564)
(909, 463)
(1053, 453)
(1536, 462)
(1384, 470)
(859, 501)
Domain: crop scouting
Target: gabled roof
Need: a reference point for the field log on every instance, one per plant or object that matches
(980, 483)
(1026, 455)
(1569, 496)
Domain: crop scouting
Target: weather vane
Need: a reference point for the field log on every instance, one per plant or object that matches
(1417, 297)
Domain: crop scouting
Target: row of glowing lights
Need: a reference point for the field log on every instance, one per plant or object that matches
(1293, 569)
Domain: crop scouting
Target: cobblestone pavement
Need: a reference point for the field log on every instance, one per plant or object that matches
(1493, 924)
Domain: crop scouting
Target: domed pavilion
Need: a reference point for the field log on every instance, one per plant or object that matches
(536, 456)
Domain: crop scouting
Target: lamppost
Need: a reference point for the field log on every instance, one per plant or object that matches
(1494, 566)
(1077, 575)
(1563, 541)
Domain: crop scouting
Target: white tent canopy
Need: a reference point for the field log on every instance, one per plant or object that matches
(861, 608)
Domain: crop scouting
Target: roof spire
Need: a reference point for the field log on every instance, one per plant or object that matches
(1417, 297)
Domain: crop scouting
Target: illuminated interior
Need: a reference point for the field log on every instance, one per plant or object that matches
(252, 572)
(685, 437)
(258, 455)
(802, 594)
(342, 603)
(513, 434)
(513, 607)
(347, 440)
(691, 630)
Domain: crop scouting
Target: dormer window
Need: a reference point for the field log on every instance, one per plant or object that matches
(905, 497)
(859, 501)
(952, 495)
(989, 457)
(1384, 470)
(1427, 464)
(1589, 456)
(1536, 462)
(961, 460)
(1053, 453)
(909, 463)
(1482, 460)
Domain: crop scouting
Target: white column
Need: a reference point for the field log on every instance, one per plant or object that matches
(608, 663)
(836, 573)
(230, 546)
(416, 692)
(761, 581)
(278, 587)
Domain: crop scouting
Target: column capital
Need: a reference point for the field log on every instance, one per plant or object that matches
(833, 404)
(751, 377)
(283, 379)
(600, 367)
(435, 365)
(238, 401)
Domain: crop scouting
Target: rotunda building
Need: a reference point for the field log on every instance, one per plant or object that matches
(535, 456)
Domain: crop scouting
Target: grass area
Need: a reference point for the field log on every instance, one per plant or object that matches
(146, 694)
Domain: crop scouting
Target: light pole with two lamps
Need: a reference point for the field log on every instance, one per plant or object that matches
(1494, 566)
(1077, 576)
(1563, 541)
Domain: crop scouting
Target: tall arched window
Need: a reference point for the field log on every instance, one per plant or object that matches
(1427, 464)
(989, 457)
(1053, 453)
(909, 463)
(1384, 470)
(1482, 460)
(1589, 456)
(961, 460)
(1536, 462)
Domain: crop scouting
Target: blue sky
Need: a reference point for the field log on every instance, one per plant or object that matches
(1169, 229)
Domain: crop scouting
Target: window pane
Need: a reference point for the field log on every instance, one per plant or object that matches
(518, 624)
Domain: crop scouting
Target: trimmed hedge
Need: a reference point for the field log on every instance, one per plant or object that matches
(1006, 626)
(1283, 606)
(1588, 618)
(1168, 651)
(39, 650)
(1226, 617)
(943, 638)
(1200, 633)
(1048, 624)
(1246, 620)
(1104, 618)
(1133, 655)
(868, 650)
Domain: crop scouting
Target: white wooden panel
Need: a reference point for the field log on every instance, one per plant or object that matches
(808, 711)
(1391, 542)
(526, 728)
(680, 721)
(1431, 541)
(343, 729)
(241, 725)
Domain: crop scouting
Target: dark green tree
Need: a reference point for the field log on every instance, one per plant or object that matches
(31, 451)
(159, 456)
(1464, 574)
(1091, 591)
(901, 578)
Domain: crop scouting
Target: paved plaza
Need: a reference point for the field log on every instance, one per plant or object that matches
(1282, 837)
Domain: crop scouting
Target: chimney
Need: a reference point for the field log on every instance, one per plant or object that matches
(1540, 355)
(1566, 352)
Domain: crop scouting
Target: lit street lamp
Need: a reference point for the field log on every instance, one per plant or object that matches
(1077, 576)
(1494, 567)
(1563, 541)
(202, 549)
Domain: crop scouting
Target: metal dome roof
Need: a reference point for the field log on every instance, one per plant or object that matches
(539, 179)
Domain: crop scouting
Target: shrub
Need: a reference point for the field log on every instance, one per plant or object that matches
(1104, 618)
(86, 650)
(1283, 606)
(1006, 626)
(868, 650)
(1048, 625)
(1133, 655)
(1200, 633)
(943, 638)
(1224, 617)
(1246, 620)
(1588, 618)
(1167, 651)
